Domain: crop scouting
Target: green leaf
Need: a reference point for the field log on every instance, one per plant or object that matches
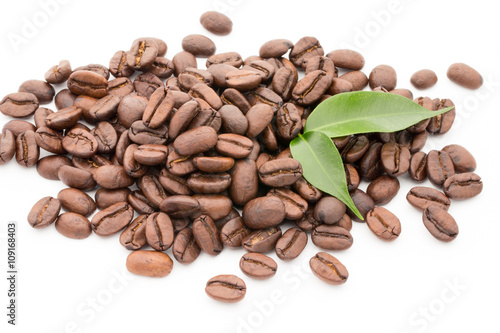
(322, 165)
(365, 112)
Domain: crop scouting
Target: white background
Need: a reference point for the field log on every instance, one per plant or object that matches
(391, 286)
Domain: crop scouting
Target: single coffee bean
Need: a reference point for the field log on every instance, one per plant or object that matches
(182, 118)
(214, 205)
(131, 109)
(310, 88)
(217, 23)
(262, 241)
(185, 249)
(41, 114)
(76, 201)
(233, 232)
(73, 225)
(106, 137)
(112, 219)
(363, 202)
(183, 60)
(233, 120)
(261, 67)
(105, 198)
(41, 89)
(49, 140)
(439, 167)
(307, 223)
(161, 104)
(219, 72)
(149, 263)
(284, 82)
(142, 54)
(347, 59)
(320, 63)
(173, 184)
(384, 224)
(48, 166)
(328, 269)
(179, 206)
(383, 189)
(440, 223)
(113, 177)
(264, 212)
(162, 67)
(120, 87)
(198, 45)
(80, 143)
(422, 197)
(280, 172)
(289, 122)
(19, 105)
(7, 146)
(275, 48)
(160, 44)
(463, 186)
(295, 205)
(243, 80)
(423, 79)
(179, 224)
(305, 48)
(442, 123)
(159, 231)
(226, 288)
(95, 68)
(395, 159)
(330, 237)
(259, 117)
(88, 83)
(291, 244)
(345, 222)
(193, 76)
(339, 86)
(355, 148)
(329, 210)
(180, 165)
(463, 161)
(27, 151)
(213, 164)
(204, 92)
(383, 76)
(64, 118)
(151, 154)
(418, 166)
(59, 73)
(103, 109)
(465, 76)
(232, 96)
(196, 141)
(118, 65)
(352, 177)
(307, 191)
(206, 235)
(208, 183)
(245, 182)
(234, 145)
(229, 58)
(64, 99)
(140, 203)
(143, 135)
(357, 79)
(77, 178)
(134, 236)
(258, 266)
(44, 212)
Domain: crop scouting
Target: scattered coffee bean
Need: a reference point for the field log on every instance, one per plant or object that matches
(384, 224)
(463, 186)
(149, 263)
(423, 197)
(328, 269)
(44, 212)
(465, 76)
(217, 23)
(258, 266)
(226, 288)
(423, 79)
(440, 223)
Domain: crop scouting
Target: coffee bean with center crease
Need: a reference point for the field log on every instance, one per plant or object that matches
(104, 109)
(64, 118)
(307, 191)
(329, 210)
(162, 67)
(418, 166)
(422, 197)
(310, 88)
(180, 165)
(76, 201)
(19, 105)
(280, 172)
(243, 80)
(193, 76)
(105, 198)
(291, 244)
(258, 266)
(7, 147)
(395, 159)
(234, 145)
(284, 82)
(196, 140)
(149, 263)
(355, 148)
(88, 83)
(49, 140)
(112, 219)
(178, 206)
(233, 232)
(440, 223)
(328, 269)
(77, 178)
(41, 89)
(185, 249)
(206, 235)
(383, 189)
(352, 177)
(262, 241)
(331, 237)
(151, 187)
(173, 184)
(289, 122)
(159, 231)
(142, 54)
(160, 105)
(207, 94)
(134, 236)
(226, 288)
(106, 137)
(141, 134)
(213, 164)
(439, 167)
(80, 143)
(264, 96)
(463, 161)
(217, 23)
(305, 48)
(232, 96)
(44, 212)
(384, 224)
(27, 151)
(463, 186)
(140, 203)
(73, 225)
(295, 205)
(442, 123)
(118, 65)
(59, 73)
(95, 68)
(151, 154)
(363, 202)
(228, 58)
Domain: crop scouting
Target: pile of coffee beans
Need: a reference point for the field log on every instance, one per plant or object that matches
(175, 162)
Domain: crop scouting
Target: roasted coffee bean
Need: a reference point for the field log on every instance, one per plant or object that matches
(19, 105)
(347, 59)
(88, 83)
(213, 164)
(233, 232)
(198, 45)
(280, 172)
(295, 205)
(149, 263)
(142, 54)
(259, 117)
(215, 205)
(465, 76)
(113, 177)
(134, 236)
(206, 235)
(179, 224)
(363, 202)
(264, 96)
(49, 140)
(106, 137)
(310, 88)
(80, 143)
(206, 116)
(59, 73)
(44, 212)
(330, 237)
(208, 183)
(162, 67)
(262, 241)
(77, 178)
(284, 82)
(357, 79)
(159, 231)
(440, 223)
(196, 140)
(264, 212)
(151, 154)
(463, 161)
(173, 184)
(232, 96)
(219, 72)
(442, 123)
(275, 48)
(291, 244)
(204, 92)
(143, 135)
(179, 206)
(73, 225)
(160, 105)
(261, 67)
(395, 159)
(185, 249)
(48, 166)
(41, 114)
(130, 165)
(355, 148)
(104, 109)
(383, 76)
(112, 219)
(226, 288)
(329, 210)
(118, 65)
(76, 201)
(193, 76)
(160, 44)
(352, 177)
(245, 182)
(423, 79)
(147, 83)
(328, 269)
(183, 60)
(439, 167)
(234, 145)
(64, 118)
(120, 87)
(90, 164)
(320, 63)
(418, 166)
(345, 222)
(422, 197)
(339, 86)
(64, 99)
(181, 119)
(305, 48)
(105, 198)
(463, 186)
(307, 191)
(217, 23)
(370, 166)
(220, 223)
(383, 189)
(243, 80)
(140, 203)
(307, 223)
(131, 109)
(289, 122)
(258, 266)
(43, 91)
(180, 165)
(27, 151)
(95, 68)
(384, 224)
(7, 147)
(229, 58)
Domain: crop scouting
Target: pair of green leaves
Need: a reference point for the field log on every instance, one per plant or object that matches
(347, 114)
